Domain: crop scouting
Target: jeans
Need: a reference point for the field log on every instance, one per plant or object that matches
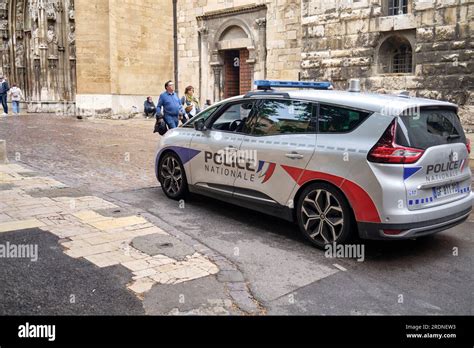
(16, 106)
(171, 121)
(4, 103)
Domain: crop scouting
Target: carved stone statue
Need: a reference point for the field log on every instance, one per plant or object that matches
(20, 55)
(72, 41)
(33, 9)
(52, 41)
(19, 15)
(35, 38)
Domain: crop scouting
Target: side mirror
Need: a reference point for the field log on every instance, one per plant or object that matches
(199, 125)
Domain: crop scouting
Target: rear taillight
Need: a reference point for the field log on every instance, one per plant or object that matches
(387, 151)
(468, 145)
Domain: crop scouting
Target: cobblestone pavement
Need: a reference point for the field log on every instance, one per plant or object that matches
(95, 155)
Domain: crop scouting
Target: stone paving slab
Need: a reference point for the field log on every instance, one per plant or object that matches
(103, 233)
(35, 201)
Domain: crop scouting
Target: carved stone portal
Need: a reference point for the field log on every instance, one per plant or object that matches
(38, 50)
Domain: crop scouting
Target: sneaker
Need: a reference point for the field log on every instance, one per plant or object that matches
(5, 114)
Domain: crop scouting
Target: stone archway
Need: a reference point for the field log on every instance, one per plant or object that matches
(233, 44)
(227, 37)
(38, 51)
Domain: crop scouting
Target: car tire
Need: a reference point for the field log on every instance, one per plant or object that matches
(172, 176)
(324, 216)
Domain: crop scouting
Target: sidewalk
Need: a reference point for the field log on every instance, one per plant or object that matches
(92, 228)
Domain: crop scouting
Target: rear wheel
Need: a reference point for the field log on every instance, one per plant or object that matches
(324, 216)
(172, 176)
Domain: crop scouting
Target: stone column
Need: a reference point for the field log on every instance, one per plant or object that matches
(261, 69)
(217, 70)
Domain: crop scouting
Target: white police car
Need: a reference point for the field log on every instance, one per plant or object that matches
(338, 163)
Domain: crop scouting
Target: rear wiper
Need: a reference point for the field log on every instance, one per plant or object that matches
(453, 136)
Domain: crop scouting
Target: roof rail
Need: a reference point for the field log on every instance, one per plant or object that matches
(268, 85)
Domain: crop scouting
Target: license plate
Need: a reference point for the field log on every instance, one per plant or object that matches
(445, 190)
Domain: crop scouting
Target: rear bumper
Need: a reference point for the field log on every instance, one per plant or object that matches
(411, 230)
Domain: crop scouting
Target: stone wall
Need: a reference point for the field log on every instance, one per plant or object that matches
(273, 38)
(341, 40)
(124, 53)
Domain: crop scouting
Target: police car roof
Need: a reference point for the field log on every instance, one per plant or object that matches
(360, 100)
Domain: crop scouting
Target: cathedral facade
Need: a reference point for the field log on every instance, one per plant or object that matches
(38, 50)
(100, 57)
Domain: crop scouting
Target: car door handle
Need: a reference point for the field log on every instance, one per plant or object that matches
(294, 155)
(231, 148)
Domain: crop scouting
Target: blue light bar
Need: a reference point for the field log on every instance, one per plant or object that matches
(269, 84)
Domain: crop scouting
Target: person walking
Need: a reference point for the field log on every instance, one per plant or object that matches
(4, 88)
(190, 103)
(16, 95)
(169, 107)
(149, 107)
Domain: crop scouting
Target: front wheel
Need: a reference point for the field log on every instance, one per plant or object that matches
(172, 176)
(324, 216)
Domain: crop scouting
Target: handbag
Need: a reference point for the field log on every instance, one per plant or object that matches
(160, 127)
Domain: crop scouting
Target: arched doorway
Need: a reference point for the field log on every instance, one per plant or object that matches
(232, 52)
(38, 51)
(237, 70)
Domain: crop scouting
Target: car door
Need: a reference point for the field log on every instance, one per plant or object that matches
(214, 167)
(280, 140)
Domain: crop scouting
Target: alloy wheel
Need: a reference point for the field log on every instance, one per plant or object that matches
(172, 176)
(322, 216)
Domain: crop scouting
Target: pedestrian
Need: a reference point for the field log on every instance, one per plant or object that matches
(190, 103)
(208, 103)
(149, 107)
(169, 107)
(16, 95)
(4, 88)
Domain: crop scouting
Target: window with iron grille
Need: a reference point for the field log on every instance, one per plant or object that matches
(397, 7)
(402, 60)
(395, 55)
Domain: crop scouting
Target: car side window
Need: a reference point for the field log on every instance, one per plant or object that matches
(204, 115)
(334, 119)
(234, 117)
(275, 117)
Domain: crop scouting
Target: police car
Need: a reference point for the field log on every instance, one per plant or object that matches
(337, 163)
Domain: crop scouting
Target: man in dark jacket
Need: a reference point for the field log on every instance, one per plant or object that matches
(4, 88)
(150, 108)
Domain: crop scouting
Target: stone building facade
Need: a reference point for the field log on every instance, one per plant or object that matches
(92, 56)
(38, 50)
(423, 46)
(223, 46)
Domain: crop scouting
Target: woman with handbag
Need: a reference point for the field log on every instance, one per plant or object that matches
(190, 104)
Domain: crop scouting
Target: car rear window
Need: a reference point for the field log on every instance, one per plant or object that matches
(430, 127)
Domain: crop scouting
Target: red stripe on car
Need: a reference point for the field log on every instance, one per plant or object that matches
(363, 206)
